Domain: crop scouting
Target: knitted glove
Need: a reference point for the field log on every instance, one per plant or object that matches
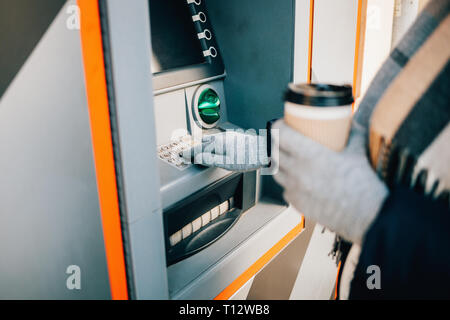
(338, 190)
(231, 150)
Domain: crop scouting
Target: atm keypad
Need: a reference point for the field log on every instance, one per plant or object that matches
(170, 152)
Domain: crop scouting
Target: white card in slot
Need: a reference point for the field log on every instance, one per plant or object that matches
(196, 224)
(206, 218)
(223, 207)
(186, 231)
(215, 213)
(175, 238)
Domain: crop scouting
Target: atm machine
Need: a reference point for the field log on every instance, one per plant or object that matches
(212, 70)
(97, 182)
(208, 213)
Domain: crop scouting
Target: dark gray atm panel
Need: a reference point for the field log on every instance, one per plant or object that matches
(183, 44)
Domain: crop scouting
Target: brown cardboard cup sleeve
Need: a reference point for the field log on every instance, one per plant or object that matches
(329, 126)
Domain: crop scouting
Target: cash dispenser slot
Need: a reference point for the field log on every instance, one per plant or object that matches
(197, 221)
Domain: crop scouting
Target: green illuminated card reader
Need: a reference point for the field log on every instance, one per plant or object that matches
(206, 107)
(209, 106)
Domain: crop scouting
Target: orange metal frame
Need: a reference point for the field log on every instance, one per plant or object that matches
(311, 36)
(97, 96)
(359, 44)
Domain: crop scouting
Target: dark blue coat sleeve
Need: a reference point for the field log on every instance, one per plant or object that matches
(410, 243)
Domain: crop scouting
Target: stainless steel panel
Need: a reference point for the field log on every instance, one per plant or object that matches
(130, 52)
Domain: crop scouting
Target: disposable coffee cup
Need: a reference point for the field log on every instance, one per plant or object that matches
(322, 112)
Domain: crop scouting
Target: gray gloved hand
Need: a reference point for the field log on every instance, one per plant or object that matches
(232, 150)
(338, 190)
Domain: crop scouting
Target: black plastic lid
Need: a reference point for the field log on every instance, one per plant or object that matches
(319, 95)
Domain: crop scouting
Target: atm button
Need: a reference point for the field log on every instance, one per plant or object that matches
(206, 218)
(186, 138)
(224, 207)
(175, 238)
(186, 231)
(215, 213)
(196, 224)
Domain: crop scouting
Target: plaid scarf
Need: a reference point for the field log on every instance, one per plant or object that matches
(409, 138)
